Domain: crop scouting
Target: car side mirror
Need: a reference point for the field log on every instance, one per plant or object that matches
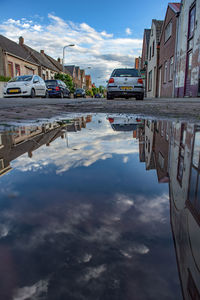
(35, 81)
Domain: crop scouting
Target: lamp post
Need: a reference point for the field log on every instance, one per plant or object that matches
(71, 45)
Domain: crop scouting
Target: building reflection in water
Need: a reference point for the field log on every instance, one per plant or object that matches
(172, 149)
(16, 141)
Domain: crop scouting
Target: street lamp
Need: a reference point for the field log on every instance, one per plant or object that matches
(71, 45)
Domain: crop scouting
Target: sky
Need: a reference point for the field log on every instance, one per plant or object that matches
(107, 34)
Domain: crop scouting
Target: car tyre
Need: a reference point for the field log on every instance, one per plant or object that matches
(46, 95)
(141, 97)
(109, 97)
(61, 95)
(32, 93)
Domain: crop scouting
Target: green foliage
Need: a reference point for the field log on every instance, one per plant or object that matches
(4, 79)
(95, 90)
(67, 79)
(89, 93)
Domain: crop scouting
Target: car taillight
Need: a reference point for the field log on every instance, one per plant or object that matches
(111, 80)
(138, 120)
(111, 120)
(57, 88)
(140, 81)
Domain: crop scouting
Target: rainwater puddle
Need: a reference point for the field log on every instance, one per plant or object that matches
(100, 207)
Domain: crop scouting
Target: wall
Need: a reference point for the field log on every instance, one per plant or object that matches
(23, 65)
(182, 51)
(1, 63)
(167, 50)
(152, 64)
(1, 88)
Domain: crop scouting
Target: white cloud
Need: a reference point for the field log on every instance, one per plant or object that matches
(128, 31)
(99, 50)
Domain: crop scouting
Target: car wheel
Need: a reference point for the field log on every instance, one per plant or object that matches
(61, 95)
(141, 97)
(46, 95)
(32, 93)
(109, 97)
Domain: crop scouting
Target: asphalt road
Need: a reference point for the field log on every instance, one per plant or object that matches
(28, 108)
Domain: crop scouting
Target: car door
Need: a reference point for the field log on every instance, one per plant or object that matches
(36, 85)
(65, 89)
(43, 87)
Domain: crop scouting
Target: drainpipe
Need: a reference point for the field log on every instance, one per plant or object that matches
(175, 56)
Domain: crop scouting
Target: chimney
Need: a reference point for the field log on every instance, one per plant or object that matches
(21, 40)
(42, 51)
(59, 60)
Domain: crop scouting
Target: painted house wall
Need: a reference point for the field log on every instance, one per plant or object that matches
(25, 67)
(152, 64)
(167, 52)
(181, 66)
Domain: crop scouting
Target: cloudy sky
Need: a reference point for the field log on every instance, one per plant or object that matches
(106, 34)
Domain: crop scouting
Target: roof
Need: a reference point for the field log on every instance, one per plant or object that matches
(158, 25)
(40, 58)
(175, 7)
(15, 49)
(147, 33)
(54, 61)
(70, 69)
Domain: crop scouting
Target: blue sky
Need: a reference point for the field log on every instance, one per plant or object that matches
(107, 34)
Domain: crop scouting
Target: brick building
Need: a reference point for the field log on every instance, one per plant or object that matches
(167, 51)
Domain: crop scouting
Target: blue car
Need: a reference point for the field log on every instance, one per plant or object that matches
(57, 88)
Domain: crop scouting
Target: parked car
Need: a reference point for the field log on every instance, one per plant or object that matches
(25, 86)
(79, 93)
(125, 83)
(98, 96)
(125, 122)
(57, 88)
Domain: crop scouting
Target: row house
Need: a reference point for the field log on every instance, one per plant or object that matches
(78, 76)
(47, 69)
(14, 59)
(144, 57)
(173, 64)
(187, 81)
(153, 57)
(166, 76)
(88, 82)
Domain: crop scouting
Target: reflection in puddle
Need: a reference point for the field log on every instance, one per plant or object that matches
(85, 210)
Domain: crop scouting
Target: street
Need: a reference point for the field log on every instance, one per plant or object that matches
(24, 109)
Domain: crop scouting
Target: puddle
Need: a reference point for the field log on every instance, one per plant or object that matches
(100, 207)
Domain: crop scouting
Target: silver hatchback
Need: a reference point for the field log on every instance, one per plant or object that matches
(125, 83)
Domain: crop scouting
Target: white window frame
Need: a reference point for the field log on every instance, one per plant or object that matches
(171, 68)
(165, 72)
(168, 31)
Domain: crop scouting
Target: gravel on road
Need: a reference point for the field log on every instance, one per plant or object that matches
(15, 109)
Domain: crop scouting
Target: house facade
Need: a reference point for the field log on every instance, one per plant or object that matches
(88, 82)
(187, 81)
(14, 59)
(153, 58)
(46, 69)
(145, 47)
(168, 51)
(83, 80)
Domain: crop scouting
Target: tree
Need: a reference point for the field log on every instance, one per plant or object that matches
(89, 93)
(95, 90)
(67, 79)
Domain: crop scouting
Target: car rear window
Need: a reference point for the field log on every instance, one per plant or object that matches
(51, 82)
(125, 73)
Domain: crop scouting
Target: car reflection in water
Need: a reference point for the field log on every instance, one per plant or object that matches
(54, 235)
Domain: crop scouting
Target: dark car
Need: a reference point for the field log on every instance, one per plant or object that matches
(57, 88)
(79, 93)
(97, 96)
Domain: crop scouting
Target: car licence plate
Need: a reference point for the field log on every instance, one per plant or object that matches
(126, 88)
(14, 91)
(78, 94)
(49, 89)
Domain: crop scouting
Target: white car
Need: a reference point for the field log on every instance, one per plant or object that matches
(26, 86)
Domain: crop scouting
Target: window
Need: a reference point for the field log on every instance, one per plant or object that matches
(150, 53)
(150, 81)
(165, 72)
(10, 69)
(17, 70)
(125, 73)
(153, 48)
(168, 31)
(192, 21)
(171, 67)
(194, 185)
(180, 169)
